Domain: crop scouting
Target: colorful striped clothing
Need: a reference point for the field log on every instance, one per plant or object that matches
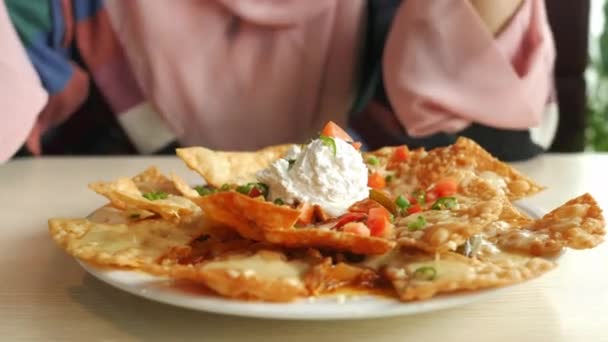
(124, 77)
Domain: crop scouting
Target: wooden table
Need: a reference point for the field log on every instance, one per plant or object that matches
(45, 295)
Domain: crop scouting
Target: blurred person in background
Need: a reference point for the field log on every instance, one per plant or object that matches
(143, 77)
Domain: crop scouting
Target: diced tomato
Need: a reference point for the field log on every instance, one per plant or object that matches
(445, 187)
(306, 213)
(376, 181)
(416, 208)
(357, 228)
(331, 129)
(255, 192)
(378, 221)
(401, 154)
(350, 217)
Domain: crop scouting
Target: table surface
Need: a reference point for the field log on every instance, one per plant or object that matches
(45, 295)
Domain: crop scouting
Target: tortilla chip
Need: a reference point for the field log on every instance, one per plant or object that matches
(182, 187)
(418, 276)
(577, 224)
(251, 217)
(479, 204)
(465, 154)
(152, 179)
(124, 194)
(264, 221)
(133, 245)
(220, 167)
(265, 275)
(330, 239)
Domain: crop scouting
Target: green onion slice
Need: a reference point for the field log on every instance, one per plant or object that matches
(420, 223)
(205, 190)
(155, 195)
(373, 160)
(329, 142)
(425, 273)
(279, 201)
(444, 203)
(402, 202)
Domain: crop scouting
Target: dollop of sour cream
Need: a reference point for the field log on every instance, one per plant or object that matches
(318, 174)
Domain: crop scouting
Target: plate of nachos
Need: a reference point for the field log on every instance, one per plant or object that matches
(323, 230)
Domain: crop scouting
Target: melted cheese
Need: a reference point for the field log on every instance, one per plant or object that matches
(262, 266)
(446, 269)
(150, 239)
(497, 181)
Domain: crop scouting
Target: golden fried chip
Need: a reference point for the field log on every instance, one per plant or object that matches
(465, 154)
(418, 276)
(446, 229)
(264, 221)
(220, 167)
(265, 275)
(182, 187)
(577, 224)
(151, 180)
(124, 194)
(133, 244)
(249, 216)
(331, 239)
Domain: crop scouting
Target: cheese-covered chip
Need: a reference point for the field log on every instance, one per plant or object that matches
(264, 275)
(126, 244)
(577, 224)
(476, 205)
(465, 154)
(417, 276)
(123, 193)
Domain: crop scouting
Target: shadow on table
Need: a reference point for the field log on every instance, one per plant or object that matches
(150, 321)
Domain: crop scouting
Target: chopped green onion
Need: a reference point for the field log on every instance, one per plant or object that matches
(279, 201)
(329, 142)
(204, 190)
(420, 196)
(402, 202)
(444, 203)
(155, 195)
(391, 218)
(373, 160)
(389, 178)
(425, 273)
(418, 224)
(225, 187)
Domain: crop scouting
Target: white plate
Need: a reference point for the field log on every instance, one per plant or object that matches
(331, 307)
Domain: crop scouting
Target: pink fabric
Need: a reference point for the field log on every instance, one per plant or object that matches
(223, 74)
(241, 74)
(21, 94)
(444, 70)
